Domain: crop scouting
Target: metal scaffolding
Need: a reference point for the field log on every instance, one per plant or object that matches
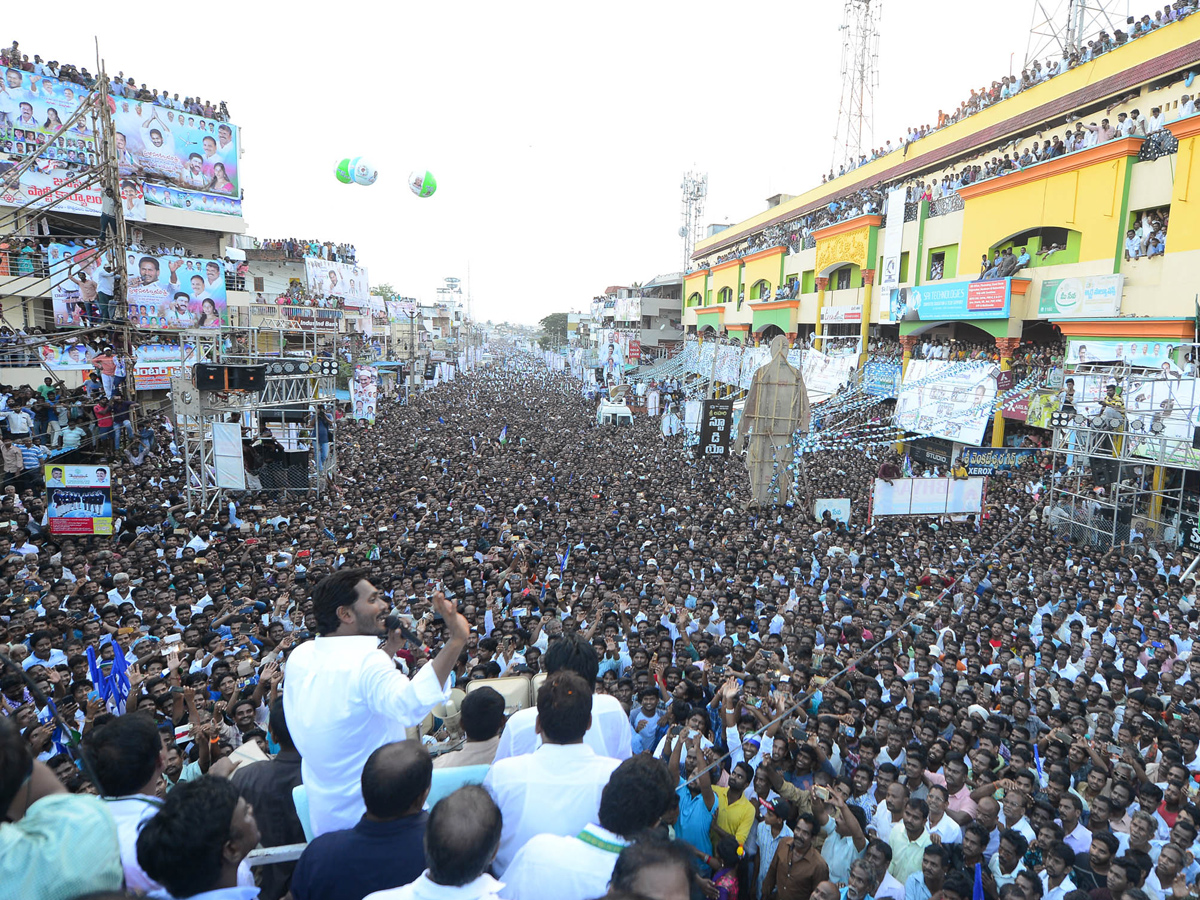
(1119, 472)
(305, 388)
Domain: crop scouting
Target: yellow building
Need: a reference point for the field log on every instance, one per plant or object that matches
(1082, 204)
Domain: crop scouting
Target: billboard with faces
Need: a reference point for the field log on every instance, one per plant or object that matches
(168, 146)
(173, 292)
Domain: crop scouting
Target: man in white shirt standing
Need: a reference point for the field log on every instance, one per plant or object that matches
(556, 789)
(578, 867)
(344, 699)
(609, 734)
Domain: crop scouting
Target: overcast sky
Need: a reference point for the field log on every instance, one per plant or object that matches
(558, 133)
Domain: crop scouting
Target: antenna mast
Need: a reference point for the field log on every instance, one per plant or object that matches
(1062, 27)
(855, 132)
(695, 191)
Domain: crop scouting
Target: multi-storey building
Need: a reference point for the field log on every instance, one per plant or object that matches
(1111, 229)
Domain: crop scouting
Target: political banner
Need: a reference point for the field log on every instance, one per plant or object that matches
(1041, 407)
(338, 279)
(174, 147)
(154, 364)
(364, 392)
(66, 191)
(892, 238)
(990, 460)
(172, 292)
(952, 400)
(716, 419)
(70, 265)
(173, 197)
(67, 358)
(881, 378)
(824, 375)
(949, 301)
(1090, 297)
(79, 499)
(1143, 354)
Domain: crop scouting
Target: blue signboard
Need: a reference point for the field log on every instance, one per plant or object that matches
(990, 460)
(951, 300)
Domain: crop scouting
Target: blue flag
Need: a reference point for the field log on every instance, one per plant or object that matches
(504, 435)
(977, 890)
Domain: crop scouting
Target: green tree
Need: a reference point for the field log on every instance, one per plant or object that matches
(385, 290)
(554, 330)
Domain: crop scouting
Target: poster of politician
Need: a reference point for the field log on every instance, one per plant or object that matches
(364, 391)
(80, 499)
(174, 147)
(338, 279)
(951, 400)
(172, 292)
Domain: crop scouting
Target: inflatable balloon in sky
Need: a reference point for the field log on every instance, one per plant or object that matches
(362, 171)
(343, 172)
(422, 183)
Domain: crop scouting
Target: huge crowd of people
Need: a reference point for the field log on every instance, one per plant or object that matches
(738, 702)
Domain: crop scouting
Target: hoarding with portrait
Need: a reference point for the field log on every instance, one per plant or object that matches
(364, 392)
(952, 400)
(338, 279)
(33, 111)
(173, 292)
(79, 499)
(1145, 354)
(173, 147)
(172, 197)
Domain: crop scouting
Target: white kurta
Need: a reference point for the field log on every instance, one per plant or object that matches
(652, 403)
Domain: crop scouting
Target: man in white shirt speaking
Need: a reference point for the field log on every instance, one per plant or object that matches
(344, 698)
(609, 734)
(555, 789)
(578, 867)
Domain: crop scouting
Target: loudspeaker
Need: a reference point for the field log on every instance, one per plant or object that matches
(1196, 439)
(247, 378)
(210, 377)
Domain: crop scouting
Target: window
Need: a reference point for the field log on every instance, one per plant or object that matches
(1146, 233)
(942, 262)
(761, 290)
(725, 295)
(694, 299)
(258, 284)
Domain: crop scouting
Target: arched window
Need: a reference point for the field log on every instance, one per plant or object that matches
(725, 295)
(761, 290)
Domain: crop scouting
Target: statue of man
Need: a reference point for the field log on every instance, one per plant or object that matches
(776, 408)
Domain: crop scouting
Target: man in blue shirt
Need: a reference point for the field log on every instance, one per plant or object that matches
(697, 802)
(644, 721)
(386, 848)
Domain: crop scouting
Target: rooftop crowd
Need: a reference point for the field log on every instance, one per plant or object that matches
(294, 248)
(740, 702)
(120, 86)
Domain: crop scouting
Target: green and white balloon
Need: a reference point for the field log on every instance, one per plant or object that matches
(422, 183)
